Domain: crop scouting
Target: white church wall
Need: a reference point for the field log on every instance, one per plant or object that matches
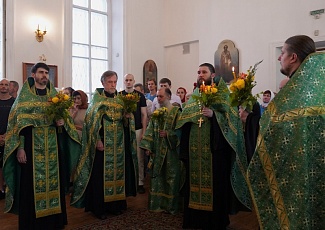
(256, 27)
(23, 18)
(150, 28)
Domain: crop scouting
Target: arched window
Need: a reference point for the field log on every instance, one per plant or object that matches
(90, 43)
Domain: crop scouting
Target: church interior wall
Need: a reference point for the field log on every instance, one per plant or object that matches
(157, 30)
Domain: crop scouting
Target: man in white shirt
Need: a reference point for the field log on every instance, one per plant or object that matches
(175, 100)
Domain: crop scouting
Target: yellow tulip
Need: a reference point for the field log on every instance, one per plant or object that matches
(55, 99)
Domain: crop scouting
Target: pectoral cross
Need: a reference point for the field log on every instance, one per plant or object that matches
(200, 121)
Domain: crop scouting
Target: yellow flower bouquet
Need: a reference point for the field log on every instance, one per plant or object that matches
(208, 95)
(130, 101)
(159, 115)
(241, 89)
(58, 107)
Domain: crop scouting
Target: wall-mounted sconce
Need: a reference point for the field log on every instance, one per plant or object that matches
(40, 34)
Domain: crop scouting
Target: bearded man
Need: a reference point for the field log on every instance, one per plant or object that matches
(212, 149)
(38, 157)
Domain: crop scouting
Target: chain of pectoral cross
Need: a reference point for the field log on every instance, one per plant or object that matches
(201, 119)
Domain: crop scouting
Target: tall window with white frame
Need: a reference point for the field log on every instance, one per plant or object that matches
(89, 43)
(1, 39)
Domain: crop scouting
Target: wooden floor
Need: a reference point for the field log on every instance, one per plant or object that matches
(77, 217)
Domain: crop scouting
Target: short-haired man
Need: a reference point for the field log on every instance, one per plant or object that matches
(140, 120)
(6, 102)
(286, 173)
(152, 86)
(107, 170)
(13, 88)
(37, 156)
(139, 87)
(268, 95)
(175, 100)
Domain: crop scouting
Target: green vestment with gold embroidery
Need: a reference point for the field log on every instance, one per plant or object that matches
(107, 114)
(165, 170)
(29, 111)
(286, 174)
(200, 154)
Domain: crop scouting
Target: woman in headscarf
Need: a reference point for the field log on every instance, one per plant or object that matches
(181, 92)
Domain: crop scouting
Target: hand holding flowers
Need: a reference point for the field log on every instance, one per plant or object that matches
(58, 107)
(130, 101)
(241, 89)
(159, 115)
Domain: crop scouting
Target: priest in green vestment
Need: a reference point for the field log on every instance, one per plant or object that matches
(286, 174)
(213, 151)
(39, 157)
(161, 141)
(107, 169)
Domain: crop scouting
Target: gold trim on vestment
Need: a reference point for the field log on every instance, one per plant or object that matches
(273, 185)
(297, 113)
(161, 195)
(114, 198)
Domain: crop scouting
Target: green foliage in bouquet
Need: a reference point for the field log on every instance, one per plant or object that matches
(159, 115)
(130, 101)
(209, 94)
(58, 107)
(241, 89)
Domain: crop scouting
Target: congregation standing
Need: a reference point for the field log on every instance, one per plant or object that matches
(204, 161)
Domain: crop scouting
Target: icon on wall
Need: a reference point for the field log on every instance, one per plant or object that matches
(225, 58)
(149, 73)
